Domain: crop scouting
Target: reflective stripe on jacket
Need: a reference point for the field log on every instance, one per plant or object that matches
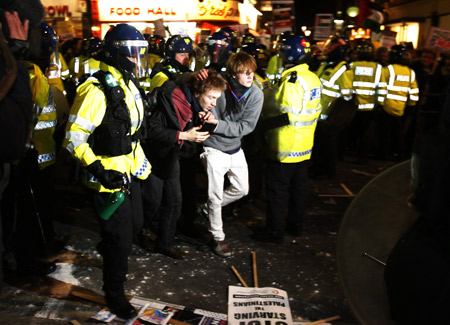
(301, 101)
(331, 89)
(44, 112)
(87, 113)
(366, 80)
(401, 89)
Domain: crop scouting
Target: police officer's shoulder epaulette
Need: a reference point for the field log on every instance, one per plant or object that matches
(171, 72)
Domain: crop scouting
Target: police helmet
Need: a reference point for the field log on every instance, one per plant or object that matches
(92, 45)
(336, 48)
(177, 44)
(397, 54)
(125, 40)
(295, 49)
(365, 51)
(156, 45)
(218, 45)
(232, 36)
(49, 39)
(124, 44)
(248, 39)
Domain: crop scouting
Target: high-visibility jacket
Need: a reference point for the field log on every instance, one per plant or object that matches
(363, 80)
(87, 113)
(401, 89)
(161, 77)
(152, 59)
(57, 72)
(44, 112)
(82, 65)
(331, 89)
(261, 82)
(300, 98)
(274, 68)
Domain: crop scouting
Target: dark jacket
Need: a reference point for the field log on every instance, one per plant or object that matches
(160, 145)
(15, 114)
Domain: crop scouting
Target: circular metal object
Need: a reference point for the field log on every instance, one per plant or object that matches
(377, 217)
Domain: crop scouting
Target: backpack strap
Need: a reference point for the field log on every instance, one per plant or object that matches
(110, 86)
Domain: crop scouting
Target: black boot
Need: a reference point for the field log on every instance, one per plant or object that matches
(120, 306)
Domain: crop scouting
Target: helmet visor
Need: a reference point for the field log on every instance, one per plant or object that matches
(136, 52)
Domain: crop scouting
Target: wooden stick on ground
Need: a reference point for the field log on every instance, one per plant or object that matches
(346, 189)
(239, 276)
(325, 320)
(255, 272)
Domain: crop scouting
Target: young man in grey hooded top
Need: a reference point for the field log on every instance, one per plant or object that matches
(236, 115)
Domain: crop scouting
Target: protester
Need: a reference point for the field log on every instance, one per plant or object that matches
(15, 101)
(237, 112)
(175, 122)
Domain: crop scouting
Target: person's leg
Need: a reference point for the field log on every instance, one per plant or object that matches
(298, 198)
(217, 164)
(152, 191)
(117, 237)
(277, 192)
(169, 211)
(238, 176)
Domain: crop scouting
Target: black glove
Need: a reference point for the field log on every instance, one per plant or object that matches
(110, 179)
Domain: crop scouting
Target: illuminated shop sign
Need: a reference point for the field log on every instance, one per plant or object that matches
(169, 10)
(62, 8)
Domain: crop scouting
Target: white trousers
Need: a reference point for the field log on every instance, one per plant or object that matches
(218, 164)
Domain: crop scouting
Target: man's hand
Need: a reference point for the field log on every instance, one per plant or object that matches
(207, 117)
(194, 135)
(200, 74)
(16, 29)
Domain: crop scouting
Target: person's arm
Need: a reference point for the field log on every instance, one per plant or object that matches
(247, 122)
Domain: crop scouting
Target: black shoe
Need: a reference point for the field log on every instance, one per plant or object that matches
(175, 253)
(36, 268)
(120, 307)
(145, 241)
(268, 236)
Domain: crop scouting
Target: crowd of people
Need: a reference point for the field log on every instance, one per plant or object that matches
(137, 126)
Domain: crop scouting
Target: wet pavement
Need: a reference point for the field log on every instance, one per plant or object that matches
(303, 266)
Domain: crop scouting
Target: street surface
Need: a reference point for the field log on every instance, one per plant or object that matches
(305, 267)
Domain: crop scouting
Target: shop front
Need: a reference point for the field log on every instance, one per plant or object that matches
(190, 17)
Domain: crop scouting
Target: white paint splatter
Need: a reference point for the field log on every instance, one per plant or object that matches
(64, 272)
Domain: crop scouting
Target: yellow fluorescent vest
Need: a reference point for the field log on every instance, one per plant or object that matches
(301, 101)
(401, 89)
(274, 68)
(44, 112)
(57, 72)
(364, 80)
(331, 90)
(87, 113)
(261, 82)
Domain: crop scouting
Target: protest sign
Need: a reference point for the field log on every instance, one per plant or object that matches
(258, 306)
(438, 39)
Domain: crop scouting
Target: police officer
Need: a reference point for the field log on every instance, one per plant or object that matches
(57, 71)
(402, 92)
(155, 59)
(103, 134)
(178, 51)
(219, 50)
(290, 146)
(333, 102)
(364, 80)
